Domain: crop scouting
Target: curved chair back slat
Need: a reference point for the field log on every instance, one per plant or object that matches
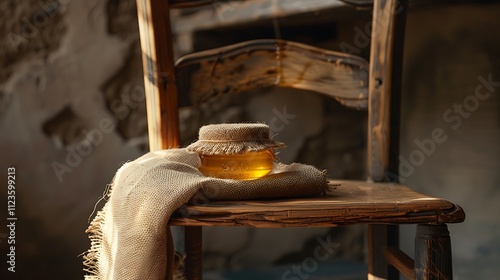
(197, 3)
(266, 63)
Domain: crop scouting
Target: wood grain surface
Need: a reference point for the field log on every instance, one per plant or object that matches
(159, 74)
(197, 3)
(272, 62)
(350, 202)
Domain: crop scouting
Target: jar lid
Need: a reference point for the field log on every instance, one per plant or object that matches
(233, 138)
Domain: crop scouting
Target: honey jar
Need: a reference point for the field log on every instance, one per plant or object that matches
(238, 151)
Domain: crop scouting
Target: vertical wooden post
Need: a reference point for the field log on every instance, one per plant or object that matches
(160, 86)
(384, 89)
(192, 246)
(159, 73)
(386, 59)
(379, 238)
(433, 253)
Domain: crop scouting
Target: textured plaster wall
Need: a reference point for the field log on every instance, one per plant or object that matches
(52, 98)
(72, 111)
(444, 90)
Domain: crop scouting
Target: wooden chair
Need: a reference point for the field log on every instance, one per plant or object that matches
(380, 201)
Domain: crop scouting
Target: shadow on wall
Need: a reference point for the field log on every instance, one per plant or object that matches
(451, 87)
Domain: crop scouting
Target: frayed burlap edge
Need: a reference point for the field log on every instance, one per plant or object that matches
(92, 256)
(231, 147)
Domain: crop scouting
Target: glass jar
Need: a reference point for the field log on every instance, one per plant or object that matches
(241, 151)
(245, 166)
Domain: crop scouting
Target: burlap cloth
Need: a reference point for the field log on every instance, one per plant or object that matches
(130, 238)
(233, 138)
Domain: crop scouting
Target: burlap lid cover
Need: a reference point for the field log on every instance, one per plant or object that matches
(233, 138)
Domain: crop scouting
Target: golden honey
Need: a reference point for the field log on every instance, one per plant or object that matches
(245, 166)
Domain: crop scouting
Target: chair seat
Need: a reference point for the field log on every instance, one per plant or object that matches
(347, 202)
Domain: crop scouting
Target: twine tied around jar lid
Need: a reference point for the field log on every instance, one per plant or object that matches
(233, 138)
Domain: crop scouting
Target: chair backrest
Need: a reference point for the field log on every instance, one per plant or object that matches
(347, 78)
(266, 63)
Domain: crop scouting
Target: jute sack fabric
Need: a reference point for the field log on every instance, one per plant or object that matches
(233, 138)
(130, 238)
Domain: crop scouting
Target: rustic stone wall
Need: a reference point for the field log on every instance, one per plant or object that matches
(72, 111)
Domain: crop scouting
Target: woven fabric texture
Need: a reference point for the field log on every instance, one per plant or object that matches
(130, 238)
(233, 138)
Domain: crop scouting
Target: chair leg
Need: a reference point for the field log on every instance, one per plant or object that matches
(380, 237)
(192, 248)
(433, 253)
